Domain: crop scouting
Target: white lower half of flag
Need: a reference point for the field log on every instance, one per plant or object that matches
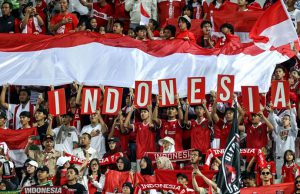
(144, 20)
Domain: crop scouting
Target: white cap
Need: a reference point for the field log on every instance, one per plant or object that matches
(33, 163)
(168, 139)
(185, 17)
(62, 160)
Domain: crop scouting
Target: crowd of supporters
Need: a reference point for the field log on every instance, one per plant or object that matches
(133, 132)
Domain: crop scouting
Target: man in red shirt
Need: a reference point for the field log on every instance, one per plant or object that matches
(171, 127)
(184, 24)
(200, 128)
(101, 10)
(168, 9)
(63, 22)
(145, 134)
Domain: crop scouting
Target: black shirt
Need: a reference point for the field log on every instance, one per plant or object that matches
(7, 24)
(78, 188)
(42, 131)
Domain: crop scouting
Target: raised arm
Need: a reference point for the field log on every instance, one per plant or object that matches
(129, 5)
(180, 113)
(112, 130)
(127, 120)
(186, 115)
(86, 4)
(78, 95)
(49, 129)
(3, 103)
(206, 180)
(198, 189)
(207, 113)
(268, 123)
(102, 123)
(214, 114)
(155, 118)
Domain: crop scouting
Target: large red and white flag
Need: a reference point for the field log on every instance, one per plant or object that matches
(16, 141)
(61, 60)
(274, 28)
(145, 17)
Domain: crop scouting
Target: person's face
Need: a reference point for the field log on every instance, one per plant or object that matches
(195, 158)
(127, 100)
(93, 23)
(297, 183)
(24, 120)
(117, 29)
(290, 3)
(71, 175)
(143, 164)
(181, 180)
(5, 9)
(279, 74)
(285, 121)
(2, 121)
(84, 140)
(82, 27)
(159, 164)
(171, 112)
(2, 187)
(289, 156)
(225, 30)
(66, 119)
(265, 175)
(63, 5)
(206, 29)
(42, 175)
(242, 2)
(120, 165)
(30, 169)
(23, 97)
(255, 119)
(182, 25)
(94, 118)
(251, 182)
(126, 190)
(144, 115)
(199, 111)
(48, 144)
(112, 145)
(167, 34)
(39, 116)
(131, 33)
(29, 9)
(215, 165)
(141, 34)
(73, 102)
(295, 75)
(229, 115)
(67, 165)
(187, 12)
(38, 3)
(94, 166)
(166, 145)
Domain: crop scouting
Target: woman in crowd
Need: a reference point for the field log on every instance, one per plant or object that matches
(95, 178)
(123, 164)
(164, 163)
(297, 184)
(289, 169)
(63, 163)
(29, 177)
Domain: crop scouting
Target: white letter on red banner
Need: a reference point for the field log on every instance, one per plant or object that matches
(167, 90)
(251, 99)
(90, 100)
(57, 102)
(112, 100)
(225, 88)
(196, 90)
(280, 92)
(143, 91)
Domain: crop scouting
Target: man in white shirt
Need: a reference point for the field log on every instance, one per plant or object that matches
(65, 136)
(85, 148)
(14, 110)
(96, 129)
(294, 14)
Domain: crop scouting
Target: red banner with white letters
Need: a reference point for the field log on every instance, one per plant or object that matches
(57, 102)
(251, 98)
(196, 90)
(280, 92)
(225, 88)
(112, 100)
(90, 100)
(142, 94)
(168, 91)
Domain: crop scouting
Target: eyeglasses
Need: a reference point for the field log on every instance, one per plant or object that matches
(265, 173)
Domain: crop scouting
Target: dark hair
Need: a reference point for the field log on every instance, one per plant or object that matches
(25, 90)
(27, 176)
(155, 23)
(280, 67)
(197, 150)
(58, 176)
(140, 27)
(171, 28)
(214, 2)
(73, 168)
(119, 22)
(25, 114)
(149, 168)
(190, 8)
(229, 26)
(295, 183)
(89, 26)
(205, 22)
(9, 3)
(126, 162)
(88, 135)
(82, 20)
(188, 24)
(90, 168)
(285, 153)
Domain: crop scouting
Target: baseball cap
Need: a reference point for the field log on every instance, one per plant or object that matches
(43, 168)
(181, 175)
(32, 163)
(48, 137)
(113, 139)
(62, 160)
(168, 139)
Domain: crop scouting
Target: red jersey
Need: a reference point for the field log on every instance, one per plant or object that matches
(172, 128)
(257, 137)
(222, 132)
(120, 12)
(102, 13)
(76, 122)
(68, 26)
(288, 173)
(168, 9)
(145, 139)
(270, 165)
(200, 10)
(200, 135)
(124, 138)
(186, 33)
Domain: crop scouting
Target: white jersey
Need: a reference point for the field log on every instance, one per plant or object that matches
(295, 17)
(67, 145)
(78, 152)
(284, 138)
(97, 142)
